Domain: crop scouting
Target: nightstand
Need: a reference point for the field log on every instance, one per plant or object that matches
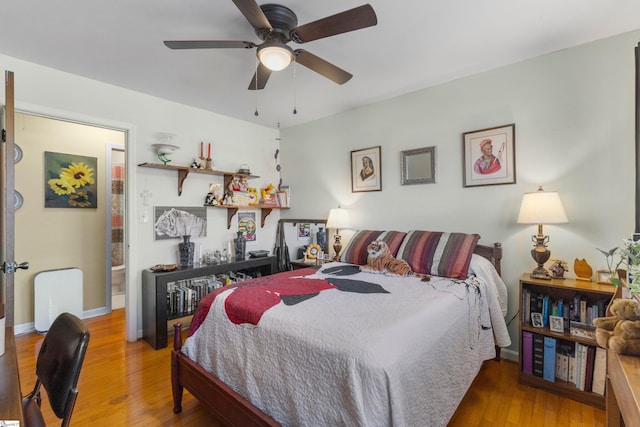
(301, 263)
(535, 342)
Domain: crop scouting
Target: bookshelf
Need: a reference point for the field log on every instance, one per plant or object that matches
(157, 316)
(555, 290)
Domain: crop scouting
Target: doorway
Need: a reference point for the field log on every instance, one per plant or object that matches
(71, 236)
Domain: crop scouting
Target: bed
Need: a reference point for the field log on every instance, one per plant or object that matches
(337, 346)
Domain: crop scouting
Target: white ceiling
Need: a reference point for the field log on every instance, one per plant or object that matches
(416, 44)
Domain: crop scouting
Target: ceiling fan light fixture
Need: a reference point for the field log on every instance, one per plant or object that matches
(275, 56)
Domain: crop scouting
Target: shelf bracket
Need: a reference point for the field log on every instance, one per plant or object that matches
(230, 214)
(265, 213)
(182, 175)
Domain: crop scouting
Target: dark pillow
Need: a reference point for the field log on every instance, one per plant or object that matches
(438, 253)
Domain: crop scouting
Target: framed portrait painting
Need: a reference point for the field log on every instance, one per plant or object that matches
(489, 156)
(366, 174)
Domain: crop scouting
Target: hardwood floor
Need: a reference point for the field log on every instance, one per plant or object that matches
(129, 384)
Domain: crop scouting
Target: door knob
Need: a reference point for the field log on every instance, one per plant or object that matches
(11, 267)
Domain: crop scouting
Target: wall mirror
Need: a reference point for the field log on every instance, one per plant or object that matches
(418, 166)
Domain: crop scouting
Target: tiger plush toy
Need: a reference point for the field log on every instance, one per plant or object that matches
(380, 260)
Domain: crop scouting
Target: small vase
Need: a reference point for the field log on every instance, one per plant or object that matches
(187, 251)
(321, 238)
(240, 246)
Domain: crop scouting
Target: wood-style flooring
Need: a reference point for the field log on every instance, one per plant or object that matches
(129, 384)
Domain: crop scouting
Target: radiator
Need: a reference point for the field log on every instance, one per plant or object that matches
(56, 292)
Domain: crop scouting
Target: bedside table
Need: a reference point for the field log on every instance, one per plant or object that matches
(568, 291)
(301, 263)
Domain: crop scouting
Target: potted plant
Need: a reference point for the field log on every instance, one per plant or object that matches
(628, 254)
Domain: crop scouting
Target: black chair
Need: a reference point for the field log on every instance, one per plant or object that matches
(57, 370)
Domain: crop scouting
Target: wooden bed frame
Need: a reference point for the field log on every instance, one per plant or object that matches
(228, 406)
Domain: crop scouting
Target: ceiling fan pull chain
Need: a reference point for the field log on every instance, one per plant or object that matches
(295, 110)
(256, 113)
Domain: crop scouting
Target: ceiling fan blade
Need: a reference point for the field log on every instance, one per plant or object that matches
(354, 19)
(253, 13)
(322, 67)
(208, 44)
(263, 74)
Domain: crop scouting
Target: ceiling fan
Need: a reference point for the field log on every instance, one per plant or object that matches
(276, 26)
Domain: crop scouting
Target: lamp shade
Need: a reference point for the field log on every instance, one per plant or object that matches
(542, 207)
(338, 218)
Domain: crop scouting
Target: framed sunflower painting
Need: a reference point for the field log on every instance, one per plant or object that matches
(70, 181)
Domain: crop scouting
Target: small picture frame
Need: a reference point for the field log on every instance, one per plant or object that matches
(603, 276)
(366, 173)
(489, 156)
(556, 324)
(536, 320)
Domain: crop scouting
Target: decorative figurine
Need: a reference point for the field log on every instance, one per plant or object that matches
(582, 269)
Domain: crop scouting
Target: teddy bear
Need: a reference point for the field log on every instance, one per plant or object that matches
(620, 332)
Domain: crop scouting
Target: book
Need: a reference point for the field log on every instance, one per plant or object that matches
(538, 354)
(571, 373)
(527, 352)
(545, 311)
(562, 364)
(578, 374)
(599, 371)
(588, 382)
(549, 363)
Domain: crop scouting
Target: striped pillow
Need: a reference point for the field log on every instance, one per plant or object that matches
(356, 250)
(438, 253)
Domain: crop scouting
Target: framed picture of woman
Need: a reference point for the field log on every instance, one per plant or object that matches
(489, 156)
(366, 174)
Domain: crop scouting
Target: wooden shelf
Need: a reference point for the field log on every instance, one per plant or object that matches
(156, 321)
(183, 172)
(557, 289)
(232, 210)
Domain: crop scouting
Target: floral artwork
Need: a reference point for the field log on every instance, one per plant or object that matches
(70, 181)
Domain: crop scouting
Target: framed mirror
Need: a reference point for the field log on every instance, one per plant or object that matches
(418, 166)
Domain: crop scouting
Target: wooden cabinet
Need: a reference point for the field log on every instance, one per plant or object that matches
(556, 290)
(183, 172)
(155, 319)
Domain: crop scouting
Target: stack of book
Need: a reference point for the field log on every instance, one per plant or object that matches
(578, 313)
(581, 365)
(183, 296)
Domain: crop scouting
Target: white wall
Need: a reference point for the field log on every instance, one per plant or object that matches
(234, 142)
(574, 117)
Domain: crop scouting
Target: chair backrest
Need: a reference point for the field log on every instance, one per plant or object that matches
(60, 360)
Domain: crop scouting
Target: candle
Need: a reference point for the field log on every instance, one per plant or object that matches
(201, 145)
(209, 152)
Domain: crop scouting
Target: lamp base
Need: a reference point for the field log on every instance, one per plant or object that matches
(337, 247)
(540, 273)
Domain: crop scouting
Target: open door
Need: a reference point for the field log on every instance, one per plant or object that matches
(7, 207)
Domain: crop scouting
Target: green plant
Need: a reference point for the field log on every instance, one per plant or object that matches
(631, 253)
(628, 254)
(613, 264)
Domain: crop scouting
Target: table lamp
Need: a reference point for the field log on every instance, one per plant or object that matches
(338, 218)
(541, 207)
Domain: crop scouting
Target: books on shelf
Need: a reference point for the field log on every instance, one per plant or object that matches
(554, 359)
(580, 309)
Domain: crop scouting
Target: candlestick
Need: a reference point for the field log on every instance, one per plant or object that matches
(201, 149)
(209, 152)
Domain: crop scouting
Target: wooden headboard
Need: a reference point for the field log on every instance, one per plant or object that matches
(492, 253)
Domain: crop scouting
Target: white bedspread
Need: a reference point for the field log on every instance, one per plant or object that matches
(340, 358)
